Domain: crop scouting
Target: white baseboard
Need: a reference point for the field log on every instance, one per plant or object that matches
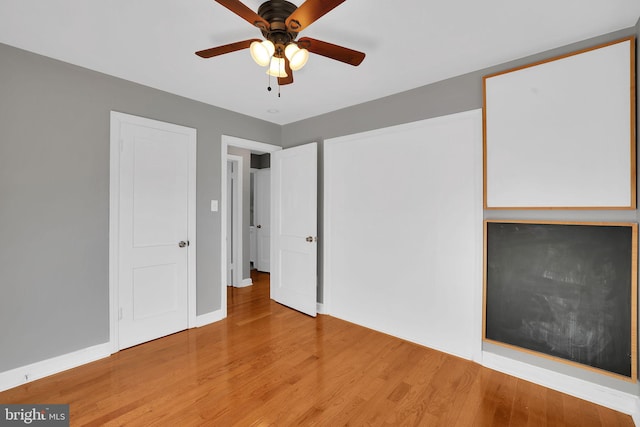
(206, 319)
(245, 283)
(320, 308)
(35, 371)
(601, 395)
(44, 368)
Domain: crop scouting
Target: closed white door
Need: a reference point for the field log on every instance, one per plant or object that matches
(153, 230)
(263, 220)
(294, 228)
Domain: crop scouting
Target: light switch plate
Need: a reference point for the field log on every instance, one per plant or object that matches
(214, 206)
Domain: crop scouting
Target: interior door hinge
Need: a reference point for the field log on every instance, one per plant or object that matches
(121, 145)
(120, 313)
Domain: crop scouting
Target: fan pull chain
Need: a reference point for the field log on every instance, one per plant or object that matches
(279, 73)
(269, 81)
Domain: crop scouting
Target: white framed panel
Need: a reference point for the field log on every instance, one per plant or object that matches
(403, 231)
(561, 133)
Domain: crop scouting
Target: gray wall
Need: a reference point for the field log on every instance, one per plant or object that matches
(54, 198)
(246, 200)
(450, 96)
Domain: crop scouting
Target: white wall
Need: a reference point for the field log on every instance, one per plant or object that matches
(403, 231)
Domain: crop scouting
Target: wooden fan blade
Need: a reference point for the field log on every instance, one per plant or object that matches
(309, 12)
(227, 48)
(333, 51)
(289, 79)
(245, 13)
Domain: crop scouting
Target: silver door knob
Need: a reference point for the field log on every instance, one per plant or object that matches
(182, 243)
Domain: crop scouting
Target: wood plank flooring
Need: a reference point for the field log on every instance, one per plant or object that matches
(267, 365)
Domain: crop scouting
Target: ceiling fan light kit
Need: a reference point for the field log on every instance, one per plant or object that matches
(297, 57)
(261, 52)
(277, 68)
(280, 22)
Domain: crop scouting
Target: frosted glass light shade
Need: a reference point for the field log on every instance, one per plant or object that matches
(276, 68)
(297, 57)
(261, 52)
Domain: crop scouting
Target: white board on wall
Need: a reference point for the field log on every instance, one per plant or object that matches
(560, 134)
(403, 231)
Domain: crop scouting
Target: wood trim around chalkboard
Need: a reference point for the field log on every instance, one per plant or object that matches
(633, 296)
(632, 140)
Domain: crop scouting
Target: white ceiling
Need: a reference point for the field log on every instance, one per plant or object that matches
(408, 44)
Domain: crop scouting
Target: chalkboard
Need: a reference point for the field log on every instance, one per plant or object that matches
(564, 290)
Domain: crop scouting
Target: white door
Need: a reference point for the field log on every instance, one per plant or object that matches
(154, 247)
(263, 221)
(294, 227)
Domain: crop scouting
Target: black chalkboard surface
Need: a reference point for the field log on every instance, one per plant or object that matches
(564, 290)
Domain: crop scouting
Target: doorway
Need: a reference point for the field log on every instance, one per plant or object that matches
(293, 223)
(254, 147)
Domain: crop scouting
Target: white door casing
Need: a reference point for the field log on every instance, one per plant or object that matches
(229, 207)
(294, 228)
(152, 210)
(234, 223)
(263, 219)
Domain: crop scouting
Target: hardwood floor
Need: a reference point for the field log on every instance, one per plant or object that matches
(267, 365)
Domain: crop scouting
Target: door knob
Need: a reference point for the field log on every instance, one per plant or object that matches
(258, 226)
(309, 239)
(182, 243)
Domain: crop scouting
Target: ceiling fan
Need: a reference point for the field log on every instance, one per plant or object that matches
(280, 22)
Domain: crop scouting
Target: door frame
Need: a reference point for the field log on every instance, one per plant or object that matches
(115, 142)
(254, 147)
(238, 207)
